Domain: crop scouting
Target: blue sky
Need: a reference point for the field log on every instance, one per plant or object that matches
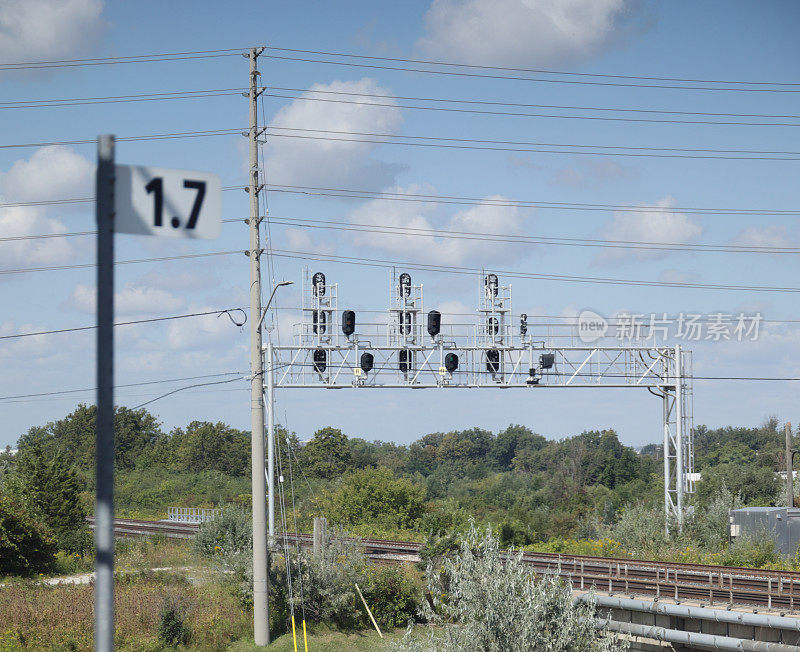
(700, 40)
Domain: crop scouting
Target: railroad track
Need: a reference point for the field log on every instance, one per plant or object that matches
(711, 585)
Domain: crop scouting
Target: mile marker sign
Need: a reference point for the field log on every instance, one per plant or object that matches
(172, 203)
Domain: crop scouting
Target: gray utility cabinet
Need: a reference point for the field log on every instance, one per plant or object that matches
(781, 523)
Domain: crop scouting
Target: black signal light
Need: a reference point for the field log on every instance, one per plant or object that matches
(405, 285)
(320, 361)
(494, 326)
(547, 360)
(405, 359)
(405, 323)
(367, 362)
(523, 324)
(451, 362)
(348, 322)
(493, 361)
(491, 285)
(434, 323)
(318, 284)
(320, 321)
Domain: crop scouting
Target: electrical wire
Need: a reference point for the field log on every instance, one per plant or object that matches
(119, 99)
(180, 389)
(583, 82)
(151, 382)
(146, 137)
(472, 271)
(108, 61)
(531, 106)
(136, 321)
(533, 70)
(513, 238)
(306, 98)
(53, 268)
(488, 145)
(350, 193)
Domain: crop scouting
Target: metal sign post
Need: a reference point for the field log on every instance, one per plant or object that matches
(145, 201)
(104, 454)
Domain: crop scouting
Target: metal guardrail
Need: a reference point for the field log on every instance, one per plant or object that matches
(190, 514)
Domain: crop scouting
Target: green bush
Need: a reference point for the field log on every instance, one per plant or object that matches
(172, 629)
(228, 539)
(392, 594)
(484, 600)
(27, 546)
(753, 551)
(376, 496)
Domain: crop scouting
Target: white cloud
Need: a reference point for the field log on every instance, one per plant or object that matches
(299, 240)
(53, 172)
(525, 33)
(19, 221)
(200, 332)
(48, 29)
(656, 225)
(427, 247)
(133, 299)
(311, 161)
(772, 235)
(591, 173)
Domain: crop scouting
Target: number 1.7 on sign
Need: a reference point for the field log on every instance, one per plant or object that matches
(174, 203)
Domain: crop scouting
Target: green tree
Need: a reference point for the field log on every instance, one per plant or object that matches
(26, 545)
(376, 496)
(206, 446)
(512, 441)
(327, 454)
(53, 489)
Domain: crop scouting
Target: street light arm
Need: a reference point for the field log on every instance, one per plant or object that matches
(269, 301)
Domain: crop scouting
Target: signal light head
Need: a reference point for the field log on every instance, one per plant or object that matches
(318, 284)
(494, 325)
(523, 324)
(493, 361)
(367, 362)
(405, 323)
(405, 284)
(319, 320)
(491, 284)
(451, 362)
(405, 358)
(348, 322)
(320, 360)
(547, 360)
(434, 323)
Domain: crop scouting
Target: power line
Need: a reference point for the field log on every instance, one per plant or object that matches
(54, 268)
(108, 61)
(305, 98)
(513, 238)
(526, 239)
(150, 382)
(533, 70)
(180, 389)
(488, 201)
(119, 99)
(483, 145)
(164, 136)
(219, 312)
(583, 82)
(471, 271)
(535, 106)
(351, 193)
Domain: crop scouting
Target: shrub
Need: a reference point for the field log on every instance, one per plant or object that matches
(485, 602)
(26, 545)
(755, 550)
(640, 530)
(392, 594)
(228, 538)
(172, 629)
(375, 496)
